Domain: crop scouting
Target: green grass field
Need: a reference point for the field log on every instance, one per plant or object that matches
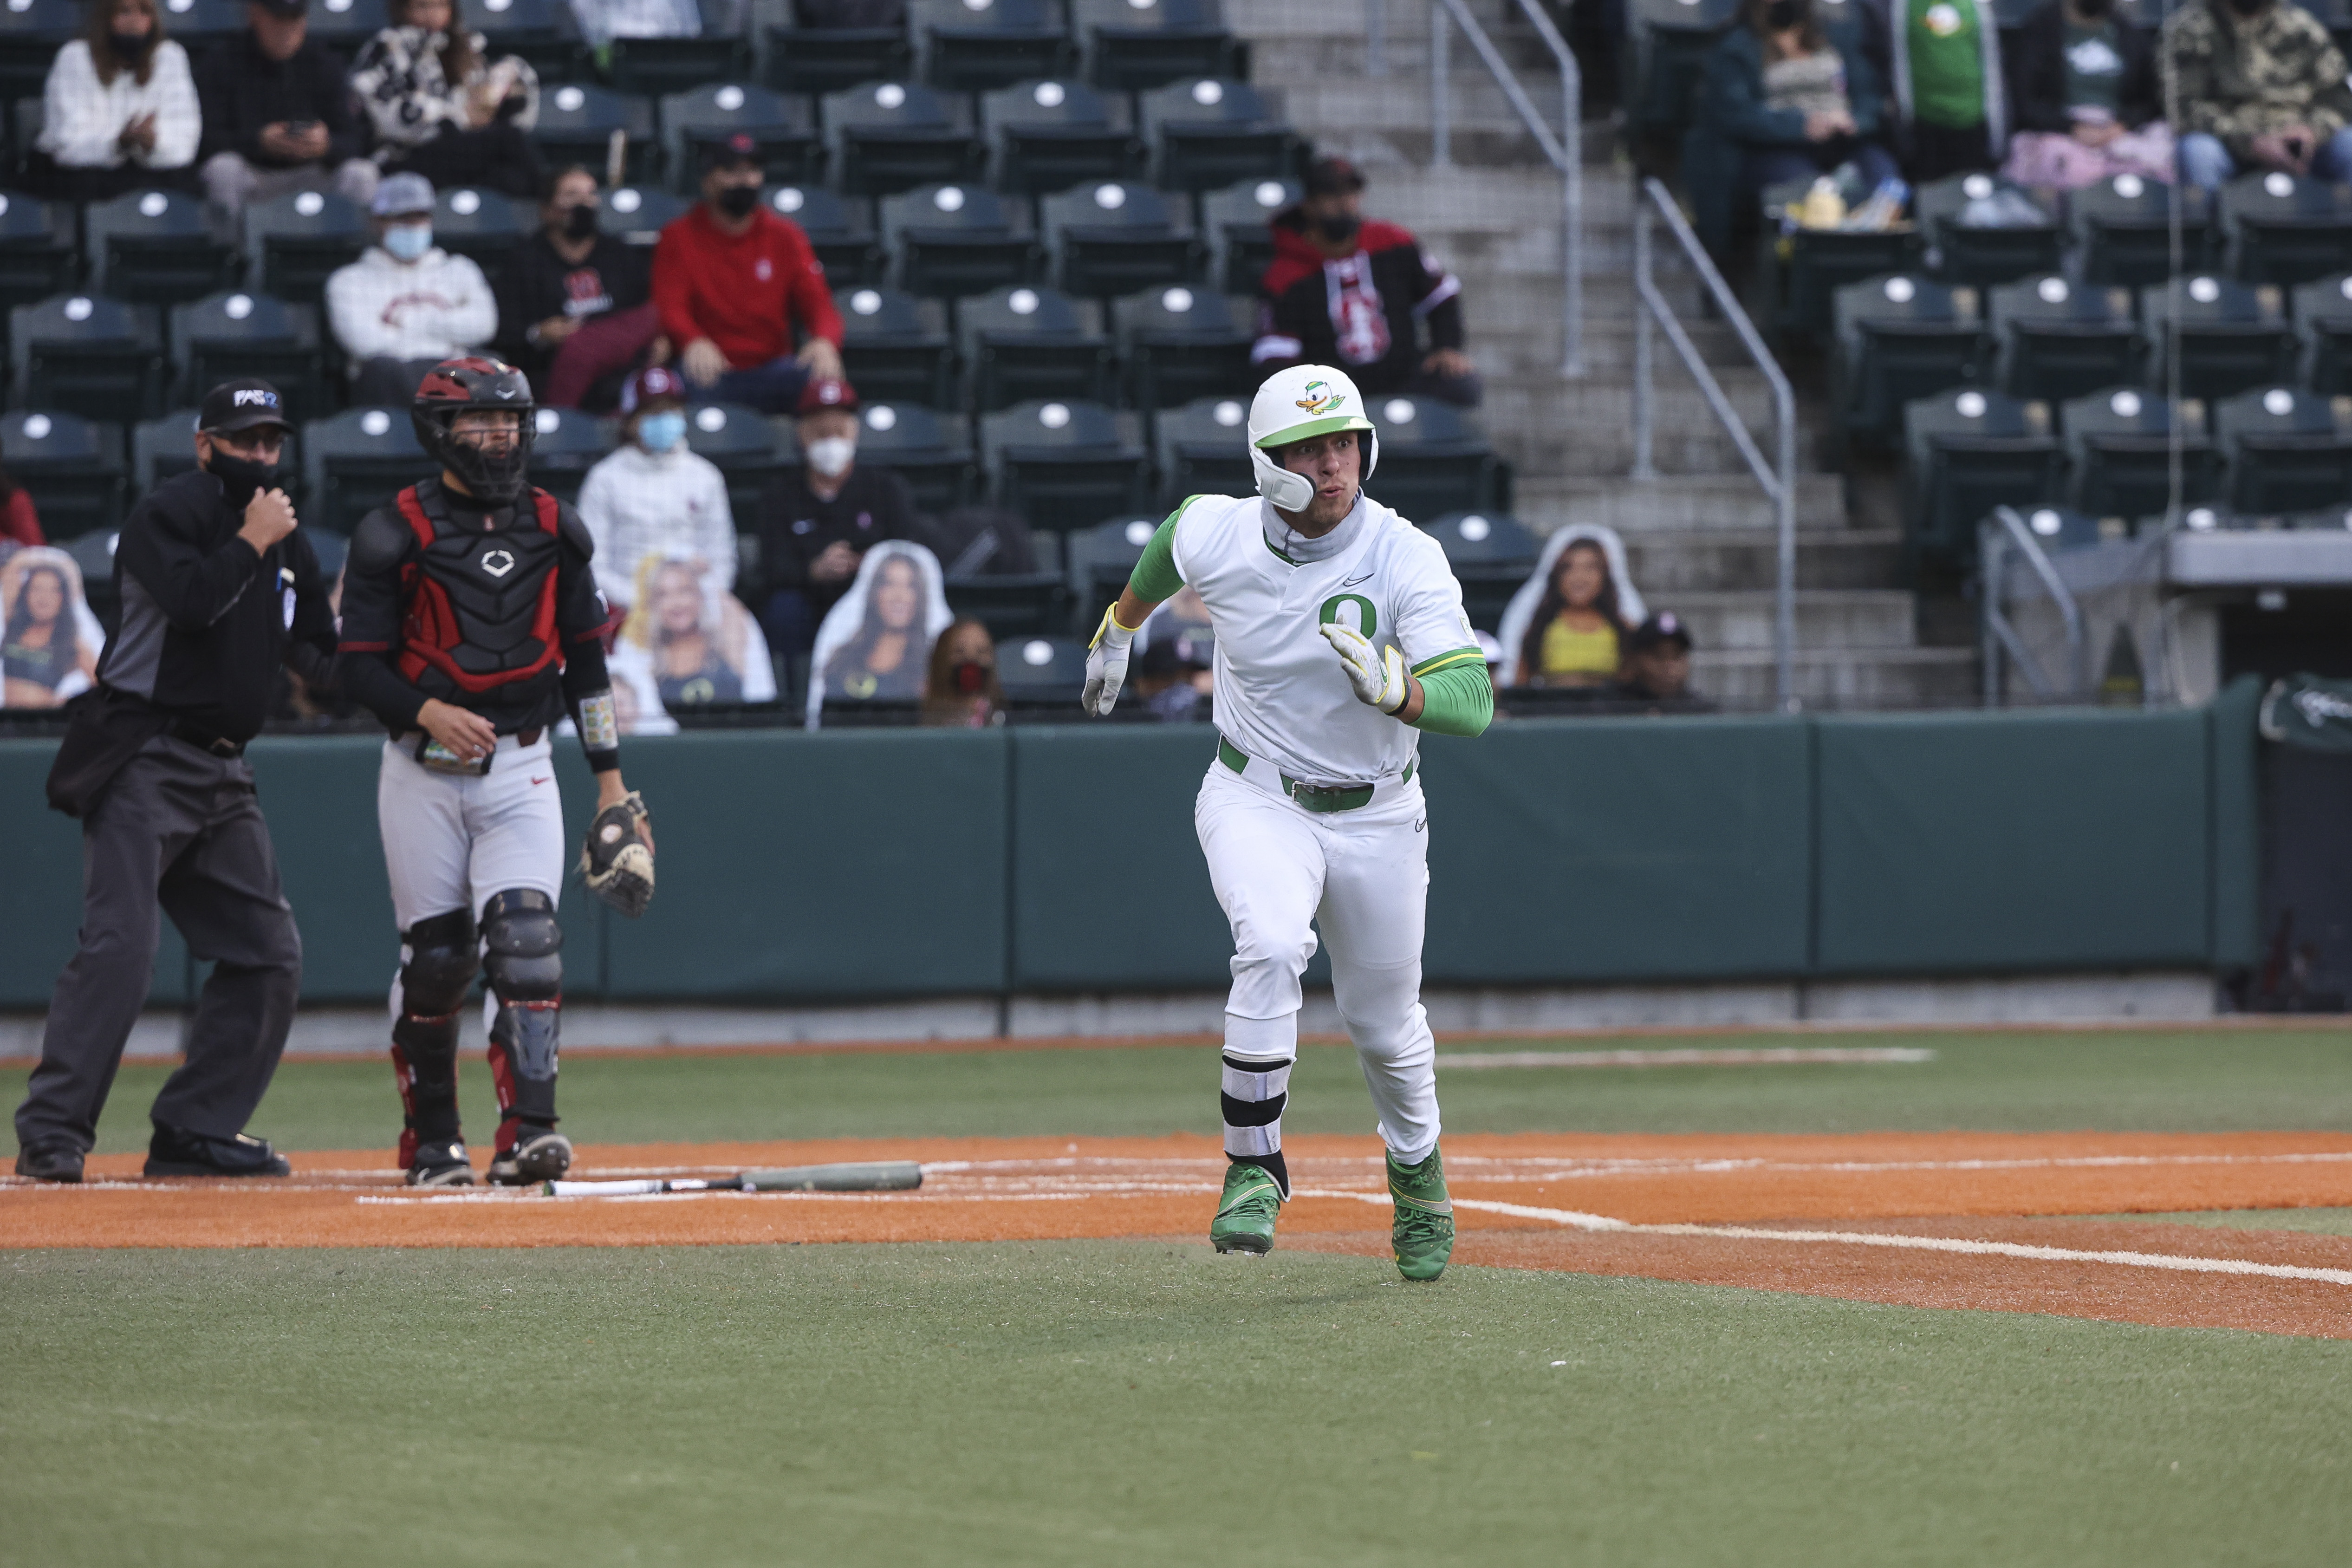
(1136, 1403)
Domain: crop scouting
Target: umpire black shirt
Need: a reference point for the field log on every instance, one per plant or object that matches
(796, 524)
(205, 621)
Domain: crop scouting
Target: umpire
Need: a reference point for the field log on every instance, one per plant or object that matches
(217, 589)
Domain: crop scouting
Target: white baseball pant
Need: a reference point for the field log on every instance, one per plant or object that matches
(450, 841)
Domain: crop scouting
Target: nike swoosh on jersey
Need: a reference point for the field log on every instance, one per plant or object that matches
(540, 781)
(1352, 581)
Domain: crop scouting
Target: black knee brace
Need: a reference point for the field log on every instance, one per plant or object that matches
(441, 964)
(526, 973)
(433, 985)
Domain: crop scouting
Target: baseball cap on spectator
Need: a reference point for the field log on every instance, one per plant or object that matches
(828, 392)
(1660, 629)
(655, 381)
(1331, 176)
(241, 403)
(402, 195)
(730, 152)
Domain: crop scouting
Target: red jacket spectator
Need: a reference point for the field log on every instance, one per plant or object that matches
(743, 292)
(18, 520)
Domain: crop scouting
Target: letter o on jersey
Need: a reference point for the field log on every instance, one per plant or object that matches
(1368, 620)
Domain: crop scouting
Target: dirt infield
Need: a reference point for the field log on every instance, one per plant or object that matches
(1954, 1219)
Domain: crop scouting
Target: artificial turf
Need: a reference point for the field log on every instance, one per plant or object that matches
(1115, 1402)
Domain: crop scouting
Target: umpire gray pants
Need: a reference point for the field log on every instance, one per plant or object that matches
(179, 831)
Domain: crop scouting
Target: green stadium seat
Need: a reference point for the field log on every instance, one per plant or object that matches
(71, 467)
(838, 233)
(155, 246)
(948, 241)
(2285, 450)
(1969, 452)
(1027, 344)
(1179, 344)
(1045, 136)
(1042, 672)
(2277, 228)
(36, 249)
(896, 347)
(543, 32)
(1119, 237)
(577, 121)
(790, 151)
(819, 61)
(1985, 256)
(1098, 561)
(1063, 465)
(93, 554)
(234, 333)
(656, 66)
(296, 242)
(1492, 554)
(565, 444)
(745, 447)
(163, 448)
(1801, 273)
(1016, 604)
(352, 461)
(89, 355)
(346, 26)
(1201, 448)
(29, 40)
(2228, 336)
(2055, 340)
(2323, 324)
(2119, 452)
(1237, 224)
(637, 214)
(1207, 134)
(483, 223)
(893, 136)
(1433, 460)
(1134, 46)
(1899, 339)
(931, 451)
(2122, 230)
(978, 46)
(199, 25)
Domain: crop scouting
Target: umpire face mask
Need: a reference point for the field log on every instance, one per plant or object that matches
(241, 479)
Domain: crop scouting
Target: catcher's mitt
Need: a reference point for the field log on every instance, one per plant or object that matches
(616, 861)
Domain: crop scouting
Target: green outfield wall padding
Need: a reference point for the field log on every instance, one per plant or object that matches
(1980, 842)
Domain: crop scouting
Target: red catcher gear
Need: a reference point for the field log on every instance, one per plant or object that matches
(482, 608)
(461, 385)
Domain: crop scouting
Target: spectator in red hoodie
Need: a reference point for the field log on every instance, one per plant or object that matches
(736, 284)
(1356, 294)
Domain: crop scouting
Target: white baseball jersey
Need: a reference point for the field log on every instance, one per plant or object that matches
(1281, 692)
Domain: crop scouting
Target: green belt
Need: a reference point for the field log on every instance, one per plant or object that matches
(1314, 797)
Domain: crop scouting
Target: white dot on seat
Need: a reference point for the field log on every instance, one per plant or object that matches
(890, 95)
(2204, 290)
(949, 199)
(498, 5)
(2046, 522)
(2278, 403)
(1053, 416)
(2278, 182)
(1474, 528)
(711, 421)
(1399, 411)
(865, 302)
(1022, 301)
(1228, 414)
(78, 307)
(546, 421)
(881, 416)
(1208, 94)
(1269, 192)
(1976, 187)
(1970, 405)
(154, 205)
(627, 199)
(375, 422)
(2052, 290)
(2131, 187)
(465, 204)
(1176, 301)
(1037, 653)
(339, 7)
(2125, 404)
(37, 426)
(789, 199)
(570, 99)
(1049, 95)
(729, 98)
(1902, 290)
(1139, 533)
(2201, 518)
(237, 307)
(1110, 198)
(310, 204)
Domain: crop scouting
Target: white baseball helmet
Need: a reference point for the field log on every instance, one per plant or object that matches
(1294, 404)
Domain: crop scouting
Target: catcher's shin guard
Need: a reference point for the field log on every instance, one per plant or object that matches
(437, 968)
(526, 973)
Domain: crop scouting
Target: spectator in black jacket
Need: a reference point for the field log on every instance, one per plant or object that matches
(2084, 97)
(278, 114)
(575, 304)
(817, 520)
(1353, 293)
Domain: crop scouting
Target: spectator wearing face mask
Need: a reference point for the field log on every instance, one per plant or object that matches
(817, 522)
(1941, 60)
(735, 282)
(118, 112)
(2087, 100)
(654, 497)
(2261, 86)
(962, 691)
(1345, 291)
(278, 113)
(405, 305)
(575, 304)
(1655, 677)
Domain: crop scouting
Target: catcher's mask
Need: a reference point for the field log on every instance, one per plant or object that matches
(471, 382)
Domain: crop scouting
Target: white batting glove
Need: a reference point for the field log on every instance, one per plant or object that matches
(1377, 674)
(1105, 666)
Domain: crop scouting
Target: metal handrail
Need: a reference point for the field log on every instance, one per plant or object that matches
(1564, 152)
(1779, 479)
(1998, 534)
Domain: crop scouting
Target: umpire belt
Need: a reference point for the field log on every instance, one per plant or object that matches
(1311, 797)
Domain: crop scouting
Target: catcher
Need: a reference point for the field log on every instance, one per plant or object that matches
(471, 624)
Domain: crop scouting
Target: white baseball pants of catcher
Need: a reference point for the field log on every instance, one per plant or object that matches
(1362, 877)
(451, 840)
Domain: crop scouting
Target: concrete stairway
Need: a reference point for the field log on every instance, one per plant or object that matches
(1700, 537)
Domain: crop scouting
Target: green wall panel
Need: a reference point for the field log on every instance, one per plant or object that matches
(1985, 842)
(2237, 825)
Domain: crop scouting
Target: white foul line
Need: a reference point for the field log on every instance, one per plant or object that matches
(1759, 1056)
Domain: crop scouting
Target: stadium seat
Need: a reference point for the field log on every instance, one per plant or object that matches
(296, 242)
(1985, 256)
(1206, 134)
(1238, 224)
(896, 347)
(36, 249)
(2122, 230)
(1433, 460)
(744, 447)
(1042, 672)
(1179, 344)
(655, 67)
(154, 247)
(2055, 340)
(160, 448)
(891, 136)
(29, 40)
(1202, 450)
(1063, 465)
(977, 45)
(2323, 322)
(2230, 336)
(791, 152)
(484, 225)
(1046, 136)
(93, 554)
(1969, 452)
(637, 214)
(89, 355)
(822, 60)
(948, 241)
(578, 121)
(1025, 343)
(1118, 237)
(1016, 604)
(930, 451)
(2285, 450)
(1667, 43)
(71, 467)
(2276, 228)
(346, 26)
(2119, 452)
(236, 333)
(1099, 560)
(353, 461)
(199, 25)
(1134, 46)
(1805, 272)
(842, 239)
(1898, 339)
(1492, 554)
(543, 32)
(565, 444)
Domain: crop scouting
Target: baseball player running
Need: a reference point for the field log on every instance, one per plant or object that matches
(471, 623)
(1339, 634)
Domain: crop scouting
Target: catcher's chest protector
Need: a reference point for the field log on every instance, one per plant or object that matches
(481, 603)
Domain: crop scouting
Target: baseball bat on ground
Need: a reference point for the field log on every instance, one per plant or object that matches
(857, 1176)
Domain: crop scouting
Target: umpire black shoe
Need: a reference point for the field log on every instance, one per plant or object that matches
(537, 1154)
(51, 1163)
(175, 1152)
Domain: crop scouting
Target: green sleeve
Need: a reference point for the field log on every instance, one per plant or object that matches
(1457, 695)
(1155, 576)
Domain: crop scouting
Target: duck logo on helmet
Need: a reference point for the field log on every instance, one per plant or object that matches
(1320, 398)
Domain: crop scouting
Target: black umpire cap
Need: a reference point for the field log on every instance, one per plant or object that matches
(242, 403)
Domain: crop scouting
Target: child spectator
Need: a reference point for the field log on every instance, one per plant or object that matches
(735, 280)
(49, 641)
(1656, 676)
(2261, 86)
(1783, 101)
(874, 645)
(1565, 627)
(689, 644)
(1941, 62)
(2087, 102)
(405, 305)
(575, 304)
(445, 111)
(962, 691)
(118, 112)
(654, 497)
(278, 114)
(817, 522)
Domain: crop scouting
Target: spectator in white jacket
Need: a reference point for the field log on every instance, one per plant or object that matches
(405, 305)
(118, 112)
(654, 497)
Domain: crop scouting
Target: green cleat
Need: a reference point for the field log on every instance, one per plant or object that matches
(1252, 1202)
(1422, 1231)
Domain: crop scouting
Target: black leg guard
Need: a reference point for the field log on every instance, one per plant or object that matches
(433, 985)
(526, 973)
